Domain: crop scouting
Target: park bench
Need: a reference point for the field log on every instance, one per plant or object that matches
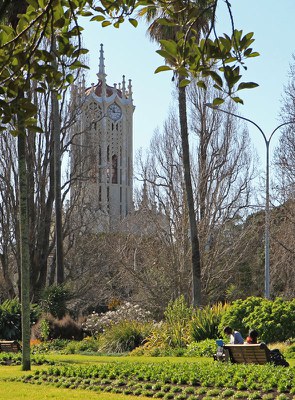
(248, 353)
(9, 346)
(253, 354)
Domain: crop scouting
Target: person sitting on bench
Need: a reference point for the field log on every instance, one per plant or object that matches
(234, 336)
(276, 356)
(252, 337)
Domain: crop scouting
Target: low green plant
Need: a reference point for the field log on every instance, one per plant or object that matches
(178, 316)
(289, 351)
(123, 337)
(204, 348)
(205, 321)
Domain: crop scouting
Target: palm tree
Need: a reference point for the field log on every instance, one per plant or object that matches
(177, 15)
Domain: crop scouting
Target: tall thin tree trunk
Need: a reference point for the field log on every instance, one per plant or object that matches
(57, 183)
(24, 244)
(196, 259)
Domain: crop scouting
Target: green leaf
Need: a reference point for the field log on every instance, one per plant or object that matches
(133, 22)
(35, 128)
(217, 101)
(237, 100)
(215, 77)
(247, 85)
(202, 84)
(184, 82)
(105, 23)
(163, 68)
(169, 46)
(255, 54)
(164, 54)
(165, 21)
(98, 18)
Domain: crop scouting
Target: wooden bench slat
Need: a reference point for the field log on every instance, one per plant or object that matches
(9, 346)
(248, 354)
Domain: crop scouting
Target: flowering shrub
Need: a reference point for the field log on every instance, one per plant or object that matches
(97, 323)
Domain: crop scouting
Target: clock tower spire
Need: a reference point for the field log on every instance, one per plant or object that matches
(102, 153)
(101, 72)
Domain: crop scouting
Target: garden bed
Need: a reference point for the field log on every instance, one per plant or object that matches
(182, 380)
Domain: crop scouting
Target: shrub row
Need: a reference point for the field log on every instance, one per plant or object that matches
(183, 378)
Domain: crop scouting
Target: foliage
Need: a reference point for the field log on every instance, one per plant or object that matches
(15, 359)
(123, 336)
(274, 320)
(204, 348)
(87, 345)
(173, 379)
(220, 56)
(10, 319)
(289, 351)
(56, 345)
(53, 300)
(205, 321)
(237, 311)
(177, 316)
(65, 328)
(97, 323)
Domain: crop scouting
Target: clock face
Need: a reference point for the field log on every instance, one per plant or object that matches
(114, 112)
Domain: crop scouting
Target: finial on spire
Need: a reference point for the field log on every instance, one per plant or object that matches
(101, 72)
(130, 89)
(124, 86)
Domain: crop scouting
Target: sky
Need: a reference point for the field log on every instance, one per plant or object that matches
(128, 51)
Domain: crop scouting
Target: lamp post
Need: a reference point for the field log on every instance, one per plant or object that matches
(267, 213)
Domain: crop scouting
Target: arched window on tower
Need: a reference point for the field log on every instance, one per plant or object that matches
(114, 169)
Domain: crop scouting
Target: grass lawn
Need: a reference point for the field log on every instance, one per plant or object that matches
(19, 390)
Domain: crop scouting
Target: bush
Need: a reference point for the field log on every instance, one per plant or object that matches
(205, 322)
(236, 313)
(10, 319)
(97, 323)
(205, 348)
(48, 328)
(54, 299)
(87, 345)
(123, 337)
(177, 317)
(290, 351)
(274, 320)
(58, 345)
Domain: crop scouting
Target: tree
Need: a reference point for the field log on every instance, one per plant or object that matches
(283, 217)
(178, 12)
(222, 175)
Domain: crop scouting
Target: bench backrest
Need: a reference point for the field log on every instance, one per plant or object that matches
(7, 346)
(248, 353)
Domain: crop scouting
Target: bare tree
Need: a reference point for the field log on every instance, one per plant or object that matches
(222, 176)
(283, 216)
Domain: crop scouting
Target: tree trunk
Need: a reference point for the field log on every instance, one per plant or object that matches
(196, 259)
(57, 184)
(24, 245)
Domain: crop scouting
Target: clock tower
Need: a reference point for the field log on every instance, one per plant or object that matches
(102, 152)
